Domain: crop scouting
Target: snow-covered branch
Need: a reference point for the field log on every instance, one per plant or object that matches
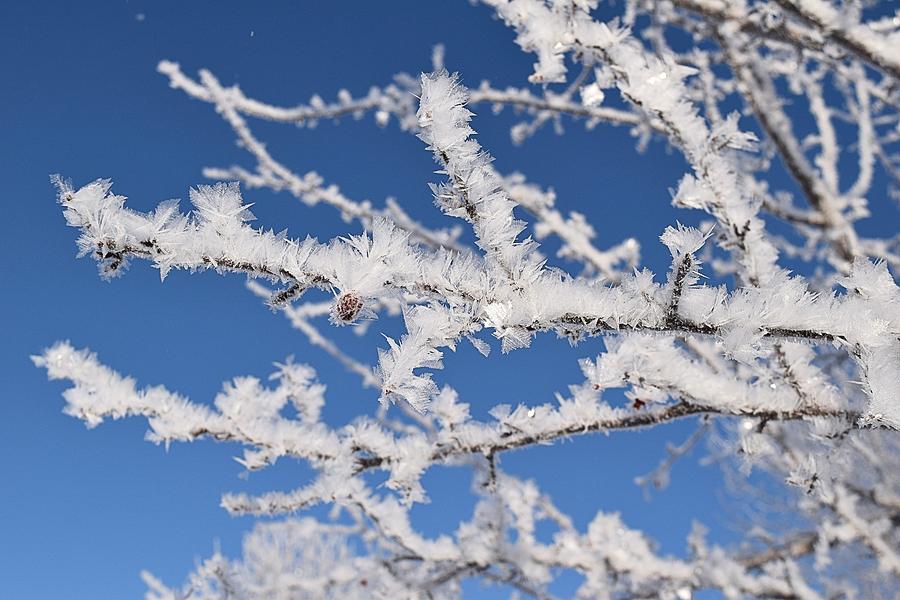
(365, 267)
(796, 374)
(398, 100)
(250, 414)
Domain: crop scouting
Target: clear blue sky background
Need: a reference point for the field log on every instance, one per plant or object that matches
(82, 512)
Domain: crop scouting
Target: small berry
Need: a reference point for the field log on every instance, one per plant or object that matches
(347, 307)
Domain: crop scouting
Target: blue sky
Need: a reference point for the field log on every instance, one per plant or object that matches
(82, 512)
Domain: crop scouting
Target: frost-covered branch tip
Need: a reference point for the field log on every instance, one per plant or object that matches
(474, 192)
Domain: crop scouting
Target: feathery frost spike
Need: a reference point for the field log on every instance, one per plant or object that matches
(474, 191)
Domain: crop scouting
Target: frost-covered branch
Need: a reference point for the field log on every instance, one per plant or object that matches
(792, 373)
(656, 87)
(250, 414)
(308, 188)
(399, 100)
(758, 90)
(859, 38)
(364, 268)
(393, 100)
(474, 192)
